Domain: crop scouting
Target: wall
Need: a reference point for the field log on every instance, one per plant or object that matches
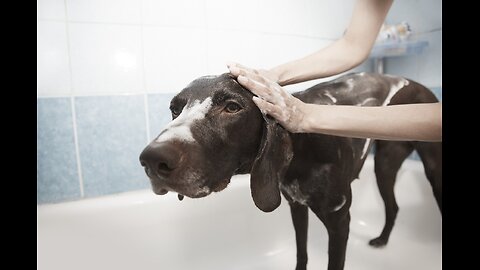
(425, 18)
(107, 70)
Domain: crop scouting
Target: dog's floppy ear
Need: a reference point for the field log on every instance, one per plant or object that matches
(273, 157)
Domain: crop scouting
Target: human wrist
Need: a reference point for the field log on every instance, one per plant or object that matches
(307, 122)
(316, 118)
(280, 75)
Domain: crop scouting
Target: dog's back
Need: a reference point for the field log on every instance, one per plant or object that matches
(366, 89)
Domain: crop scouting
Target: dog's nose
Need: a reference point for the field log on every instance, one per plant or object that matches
(160, 159)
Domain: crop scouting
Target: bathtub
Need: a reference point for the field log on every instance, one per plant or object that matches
(140, 230)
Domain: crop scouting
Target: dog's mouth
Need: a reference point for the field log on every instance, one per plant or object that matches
(160, 188)
(159, 191)
(221, 185)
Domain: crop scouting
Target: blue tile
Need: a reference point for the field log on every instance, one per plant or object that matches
(57, 176)
(159, 112)
(438, 92)
(414, 155)
(111, 134)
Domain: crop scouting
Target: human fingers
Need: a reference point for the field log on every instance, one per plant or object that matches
(274, 89)
(236, 68)
(270, 109)
(254, 86)
(261, 90)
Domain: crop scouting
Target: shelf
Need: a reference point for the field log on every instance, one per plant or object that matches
(395, 49)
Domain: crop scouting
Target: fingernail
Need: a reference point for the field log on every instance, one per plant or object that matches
(234, 70)
(242, 79)
(256, 100)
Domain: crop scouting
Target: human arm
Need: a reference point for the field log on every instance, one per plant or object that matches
(409, 122)
(343, 54)
(412, 122)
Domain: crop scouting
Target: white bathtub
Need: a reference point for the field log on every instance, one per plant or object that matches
(140, 230)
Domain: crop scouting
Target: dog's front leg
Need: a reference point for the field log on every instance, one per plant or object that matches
(338, 227)
(300, 222)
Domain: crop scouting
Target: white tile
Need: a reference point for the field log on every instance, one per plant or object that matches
(259, 50)
(231, 14)
(278, 49)
(106, 59)
(311, 18)
(406, 66)
(53, 76)
(430, 62)
(329, 18)
(422, 15)
(51, 9)
(284, 16)
(173, 57)
(174, 13)
(366, 66)
(111, 11)
(238, 46)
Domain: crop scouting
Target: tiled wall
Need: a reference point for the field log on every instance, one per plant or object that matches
(107, 70)
(425, 18)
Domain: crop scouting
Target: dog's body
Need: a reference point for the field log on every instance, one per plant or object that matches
(217, 132)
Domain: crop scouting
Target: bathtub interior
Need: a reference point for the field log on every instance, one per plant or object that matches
(139, 230)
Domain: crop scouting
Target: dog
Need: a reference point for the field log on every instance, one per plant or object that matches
(217, 131)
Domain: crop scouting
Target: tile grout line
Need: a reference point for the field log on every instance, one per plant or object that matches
(206, 41)
(144, 76)
(147, 122)
(72, 105)
(77, 148)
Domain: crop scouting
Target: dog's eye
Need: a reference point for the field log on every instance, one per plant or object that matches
(175, 112)
(232, 107)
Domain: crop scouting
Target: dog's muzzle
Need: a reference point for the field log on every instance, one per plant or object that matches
(160, 160)
(166, 164)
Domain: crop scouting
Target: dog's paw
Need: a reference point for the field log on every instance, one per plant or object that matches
(378, 242)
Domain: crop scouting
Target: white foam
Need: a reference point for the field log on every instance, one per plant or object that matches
(350, 84)
(365, 147)
(334, 100)
(366, 101)
(394, 89)
(338, 207)
(179, 129)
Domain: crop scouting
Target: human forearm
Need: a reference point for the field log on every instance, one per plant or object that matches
(409, 122)
(333, 59)
(345, 53)
(416, 122)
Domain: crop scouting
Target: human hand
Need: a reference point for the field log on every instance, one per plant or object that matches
(272, 99)
(265, 73)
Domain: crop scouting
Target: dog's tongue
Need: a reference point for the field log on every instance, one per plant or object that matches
(180, 197)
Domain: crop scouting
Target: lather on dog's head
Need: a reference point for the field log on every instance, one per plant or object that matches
(217, 131)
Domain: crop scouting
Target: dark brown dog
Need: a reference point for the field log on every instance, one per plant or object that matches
(217, 132)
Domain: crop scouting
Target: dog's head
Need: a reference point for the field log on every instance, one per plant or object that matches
(217, 131)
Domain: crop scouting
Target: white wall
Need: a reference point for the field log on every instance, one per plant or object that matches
(98, 47)
(425, 19)
(105, 47)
